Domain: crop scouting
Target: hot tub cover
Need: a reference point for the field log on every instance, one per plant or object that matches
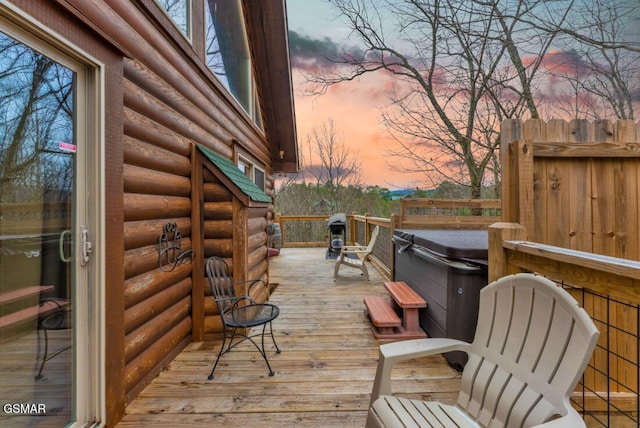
(455, 244)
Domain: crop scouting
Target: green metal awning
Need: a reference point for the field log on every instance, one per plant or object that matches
(233, 173)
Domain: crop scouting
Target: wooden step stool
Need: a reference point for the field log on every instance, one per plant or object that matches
(398, 317)
(382, 315)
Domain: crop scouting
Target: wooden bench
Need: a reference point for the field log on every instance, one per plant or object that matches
(404, 303)
(24, 293)
(382, 315)
(31, 295)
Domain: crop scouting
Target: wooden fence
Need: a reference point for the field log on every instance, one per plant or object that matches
(448, 213)
(574, 184)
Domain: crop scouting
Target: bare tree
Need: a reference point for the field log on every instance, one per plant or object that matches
(329, 173)
(338, 166)
(464, 66)
(35, 115)
(462, 71)
(606, 69)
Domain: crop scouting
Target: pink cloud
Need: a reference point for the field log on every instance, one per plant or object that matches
(355, 109)
(567, 63)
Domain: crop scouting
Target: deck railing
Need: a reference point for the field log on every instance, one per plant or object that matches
(607, 287)
(423, 213)
(313, 231)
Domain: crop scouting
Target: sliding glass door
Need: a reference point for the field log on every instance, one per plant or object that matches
(45, 236)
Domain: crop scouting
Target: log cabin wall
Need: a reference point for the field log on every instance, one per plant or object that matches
(170, 101)
(257, 264)
(167, 108)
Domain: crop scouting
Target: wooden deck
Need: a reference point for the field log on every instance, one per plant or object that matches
(323, 376)
(20, 358)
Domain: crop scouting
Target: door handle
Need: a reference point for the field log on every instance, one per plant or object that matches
(63, 256)
(86, 247)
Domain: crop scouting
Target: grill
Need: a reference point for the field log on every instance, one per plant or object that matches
(337, 225)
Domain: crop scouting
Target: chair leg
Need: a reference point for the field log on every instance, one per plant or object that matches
(44, 356)
(222, 350)
(337, 267)
(365, 271)
(233, 336)
(227, 348)
(263, 352)
(273, 339)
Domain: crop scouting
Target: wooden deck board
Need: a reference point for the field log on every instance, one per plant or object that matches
(323, 376)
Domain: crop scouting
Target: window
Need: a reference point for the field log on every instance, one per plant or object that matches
(254, 173)
(227, 52)
(180, 13)
(258, 177)
(245, 167)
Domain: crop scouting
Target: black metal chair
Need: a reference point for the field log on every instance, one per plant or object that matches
(58, 319)
(239, 313)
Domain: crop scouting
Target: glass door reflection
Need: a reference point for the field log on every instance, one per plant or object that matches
(37, 224)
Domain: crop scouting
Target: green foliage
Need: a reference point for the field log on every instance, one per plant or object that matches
(318, 199)
(312, 199)
(449, 190)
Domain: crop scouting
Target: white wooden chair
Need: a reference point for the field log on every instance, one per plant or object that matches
(360, 252)
(531, 346)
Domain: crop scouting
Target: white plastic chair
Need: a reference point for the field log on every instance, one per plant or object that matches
(360, 252)
(531, 346)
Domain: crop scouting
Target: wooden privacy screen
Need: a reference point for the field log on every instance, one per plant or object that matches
(574, 184)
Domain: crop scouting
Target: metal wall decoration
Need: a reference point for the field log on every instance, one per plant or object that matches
(170, 252)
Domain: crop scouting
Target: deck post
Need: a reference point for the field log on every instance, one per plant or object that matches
(393, 225)
(353, 233)
(367, 229)
(498, 261)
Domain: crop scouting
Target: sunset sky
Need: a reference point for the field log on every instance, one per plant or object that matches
(316, 29)
(354, 106)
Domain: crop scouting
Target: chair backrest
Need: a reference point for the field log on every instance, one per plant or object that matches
(221, 282)
(372, 240)
(531, 346)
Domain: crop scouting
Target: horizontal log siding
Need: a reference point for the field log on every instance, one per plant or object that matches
(157, 190)
(257, 240)
(145, 259)
(218, 241)
(218, 212)
(145, 232)
(169, 104)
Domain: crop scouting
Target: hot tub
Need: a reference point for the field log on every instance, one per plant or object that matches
(447, 268)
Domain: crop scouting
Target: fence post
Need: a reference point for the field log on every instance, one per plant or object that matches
(499, 232)
(367, 228)
(353, 232)
(393, 225)
(510, 130)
